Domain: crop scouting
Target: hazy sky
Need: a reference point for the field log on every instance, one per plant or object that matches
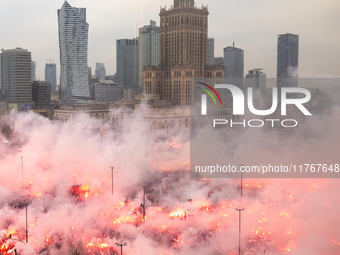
(32, 24)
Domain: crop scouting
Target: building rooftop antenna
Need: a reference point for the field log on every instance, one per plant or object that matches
(136, 30)
(234, 41)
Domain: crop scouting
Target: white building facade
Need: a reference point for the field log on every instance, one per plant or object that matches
(73, 44)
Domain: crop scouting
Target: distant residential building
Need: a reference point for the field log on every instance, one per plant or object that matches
(100, 71)
(41, 94)
(219, 61)
(89, 73)
(111, 78)
(16, 75)
(211, 51)
(127, 63)
(287, 60)
(234, 65)
(33, 70)
(106, 92)
(255, 79)
(73, 42)
(51, 75)
(149, 48)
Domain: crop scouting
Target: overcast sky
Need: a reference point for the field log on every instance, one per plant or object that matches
(32, 24)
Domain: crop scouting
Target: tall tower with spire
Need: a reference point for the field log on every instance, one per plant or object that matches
(183, 54)
(73, 43)
(183, 47)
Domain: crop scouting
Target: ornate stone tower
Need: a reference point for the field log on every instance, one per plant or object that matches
(187, 3)
(183, 42)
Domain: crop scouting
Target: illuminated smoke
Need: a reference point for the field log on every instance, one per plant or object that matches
(183, 216)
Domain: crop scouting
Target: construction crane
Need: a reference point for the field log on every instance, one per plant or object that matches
(50, 60)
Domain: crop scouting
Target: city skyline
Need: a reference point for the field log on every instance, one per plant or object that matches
(256, 26)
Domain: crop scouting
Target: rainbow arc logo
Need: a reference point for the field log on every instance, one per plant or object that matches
(209, 93)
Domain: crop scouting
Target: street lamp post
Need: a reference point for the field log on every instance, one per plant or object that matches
(264, 252)
(144, 191)
(121, 247)
(239, 229)
(26, 226)
(112, 177)
(241, 181)
(22, 171)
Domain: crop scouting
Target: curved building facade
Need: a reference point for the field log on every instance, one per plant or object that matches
(73, 41)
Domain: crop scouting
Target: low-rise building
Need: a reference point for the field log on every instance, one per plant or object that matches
(69, 112)
(106, 92)
(255, 79)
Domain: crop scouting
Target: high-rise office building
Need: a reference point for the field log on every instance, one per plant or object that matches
(100, 71)
(41, 94)
(287, 60)
(33, 68)
(234, 65)
(16, 75)
(73, 41)
(211, 51)
(127, 63)
(149, 38)
(51, 75)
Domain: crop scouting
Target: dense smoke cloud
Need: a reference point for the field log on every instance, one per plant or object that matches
(183, 216)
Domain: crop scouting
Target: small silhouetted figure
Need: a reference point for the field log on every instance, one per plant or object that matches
(141, 208)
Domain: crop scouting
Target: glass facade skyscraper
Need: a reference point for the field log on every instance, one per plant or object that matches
(33, 68)
(211, 51)
(148, 48)
(234, 65)
(100, 71)
(127, 63)
(51, 75)
(287, 60)
(73, 40)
